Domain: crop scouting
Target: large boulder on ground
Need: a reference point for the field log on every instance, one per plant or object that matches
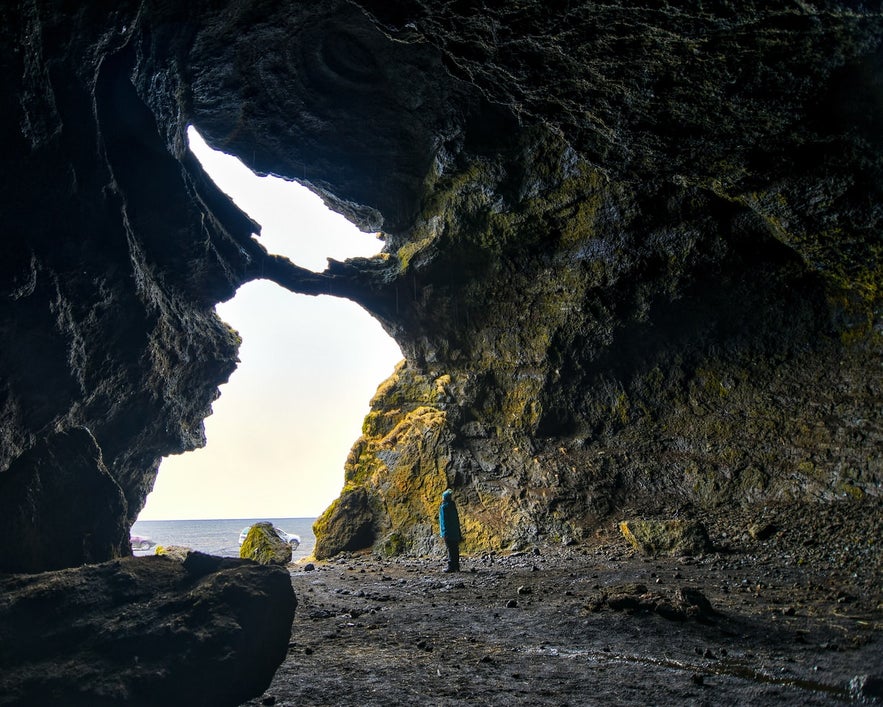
(144, 631)
(347, 524)
(264, 545)
(666, 537)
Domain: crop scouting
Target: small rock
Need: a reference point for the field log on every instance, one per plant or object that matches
(524, 590)
(670, 612)
(693, 597)
(866, 687)
(594, 604)
(697, 679)
(623, 602)
(309, 567)
(761, 531)
(511, 604)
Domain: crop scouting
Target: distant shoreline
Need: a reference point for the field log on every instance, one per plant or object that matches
(244, 518)
(220, 536)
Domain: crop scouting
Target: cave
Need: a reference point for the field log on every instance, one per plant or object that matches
(632, 258)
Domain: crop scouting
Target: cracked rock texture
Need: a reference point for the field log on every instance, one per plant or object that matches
(632, 255)
(144, 631)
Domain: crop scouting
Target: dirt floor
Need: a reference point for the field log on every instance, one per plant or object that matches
(793, 619)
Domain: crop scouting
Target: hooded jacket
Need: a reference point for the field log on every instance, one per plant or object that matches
(449, 519)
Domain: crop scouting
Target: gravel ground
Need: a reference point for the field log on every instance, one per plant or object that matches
(792, 619)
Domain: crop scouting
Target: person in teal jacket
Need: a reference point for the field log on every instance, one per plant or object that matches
(449, 524)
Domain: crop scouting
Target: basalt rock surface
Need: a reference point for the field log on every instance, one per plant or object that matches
(632, 255)
(144, 631)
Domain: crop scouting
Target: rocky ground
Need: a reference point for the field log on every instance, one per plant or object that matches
(793, 616)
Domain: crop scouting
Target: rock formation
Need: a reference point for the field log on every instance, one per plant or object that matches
(264, 546)
(144, 631)
(632, 255)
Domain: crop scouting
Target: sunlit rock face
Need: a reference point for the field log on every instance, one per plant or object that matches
(632, 255)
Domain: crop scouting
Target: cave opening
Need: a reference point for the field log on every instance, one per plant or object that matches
(278, 436)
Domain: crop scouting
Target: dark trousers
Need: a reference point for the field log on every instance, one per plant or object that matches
(453, 554)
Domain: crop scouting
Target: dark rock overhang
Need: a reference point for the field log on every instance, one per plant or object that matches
(620, 175)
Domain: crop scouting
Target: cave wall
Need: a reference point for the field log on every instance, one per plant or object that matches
(632, 254)
(112, 265)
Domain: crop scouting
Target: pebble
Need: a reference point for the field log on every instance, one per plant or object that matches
(866, 687)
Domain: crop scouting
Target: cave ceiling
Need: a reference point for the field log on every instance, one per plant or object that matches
(606, 228)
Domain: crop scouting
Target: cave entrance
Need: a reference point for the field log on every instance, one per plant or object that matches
(283, 426)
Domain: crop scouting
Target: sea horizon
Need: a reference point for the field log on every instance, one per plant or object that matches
(220, 536)
(151, 520)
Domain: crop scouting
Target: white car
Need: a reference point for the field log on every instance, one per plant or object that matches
(290, 538)
(141, 542)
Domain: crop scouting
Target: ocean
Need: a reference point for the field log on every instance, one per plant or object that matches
(220, 537)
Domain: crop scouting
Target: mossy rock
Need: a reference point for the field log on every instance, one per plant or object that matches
(393, 545)
(666, 537)
(346, 525)
(176, 552)
(264, 546)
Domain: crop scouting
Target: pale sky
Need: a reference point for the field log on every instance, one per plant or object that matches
(284, 424)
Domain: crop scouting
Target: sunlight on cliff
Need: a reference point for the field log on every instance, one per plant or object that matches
(283, 426)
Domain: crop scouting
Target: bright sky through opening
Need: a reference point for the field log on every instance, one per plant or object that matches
(284, 424)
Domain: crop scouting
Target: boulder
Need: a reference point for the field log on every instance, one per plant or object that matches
(144, 631)
(666, 537)
(687, 602)
(347, 524)
(174, 552)
(264, 546)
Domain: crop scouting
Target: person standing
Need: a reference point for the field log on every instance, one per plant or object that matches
(449, 524)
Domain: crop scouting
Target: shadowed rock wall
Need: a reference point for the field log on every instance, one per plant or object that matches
(632, 255)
